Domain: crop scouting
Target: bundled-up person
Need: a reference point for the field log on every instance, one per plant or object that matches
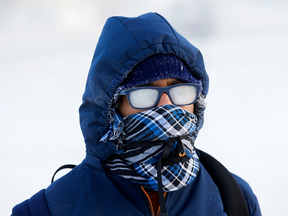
(142, 110)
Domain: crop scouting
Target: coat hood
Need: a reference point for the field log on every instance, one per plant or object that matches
(123, 43)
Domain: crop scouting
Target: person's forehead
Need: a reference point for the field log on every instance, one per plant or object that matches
(165, 82)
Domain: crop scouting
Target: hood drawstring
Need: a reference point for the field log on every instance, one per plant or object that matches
(168, 145)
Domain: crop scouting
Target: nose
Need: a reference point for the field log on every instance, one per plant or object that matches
(164, 99)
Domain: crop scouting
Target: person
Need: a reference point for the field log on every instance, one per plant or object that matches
(142, 110)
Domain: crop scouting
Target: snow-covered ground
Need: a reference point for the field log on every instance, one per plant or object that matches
(45, 52)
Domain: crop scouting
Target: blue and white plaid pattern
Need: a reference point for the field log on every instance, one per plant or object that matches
(163, 122)
(139, 164)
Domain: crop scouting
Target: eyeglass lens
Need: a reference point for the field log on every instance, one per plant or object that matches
(182, 95)
(143, 98)
(179, 95)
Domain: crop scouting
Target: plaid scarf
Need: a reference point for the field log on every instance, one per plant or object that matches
(145, 135)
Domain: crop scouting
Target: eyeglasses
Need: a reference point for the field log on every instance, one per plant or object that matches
(148, 97)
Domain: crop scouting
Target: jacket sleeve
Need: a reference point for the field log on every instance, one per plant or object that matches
(251, 199)
(34, 206)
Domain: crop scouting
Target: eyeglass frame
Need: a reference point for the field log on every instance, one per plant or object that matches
(161, 90)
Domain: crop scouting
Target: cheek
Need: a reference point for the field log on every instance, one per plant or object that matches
(125, 109)
(189, 108)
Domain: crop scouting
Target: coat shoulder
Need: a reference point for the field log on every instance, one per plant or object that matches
(250, 197)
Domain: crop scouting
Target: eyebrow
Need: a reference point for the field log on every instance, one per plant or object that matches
(173, 82)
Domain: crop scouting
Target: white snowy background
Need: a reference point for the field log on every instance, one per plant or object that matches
(46, 49)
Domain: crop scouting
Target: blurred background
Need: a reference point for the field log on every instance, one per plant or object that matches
(46, 48)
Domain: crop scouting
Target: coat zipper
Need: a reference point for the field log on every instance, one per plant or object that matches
(150, 207)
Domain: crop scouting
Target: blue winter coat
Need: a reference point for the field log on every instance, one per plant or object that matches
(91, 189)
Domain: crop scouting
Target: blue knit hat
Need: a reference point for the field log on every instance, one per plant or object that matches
(158, 67)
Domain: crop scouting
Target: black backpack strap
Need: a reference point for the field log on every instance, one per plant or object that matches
(66, 166)
(34, 206)
(231, 193)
